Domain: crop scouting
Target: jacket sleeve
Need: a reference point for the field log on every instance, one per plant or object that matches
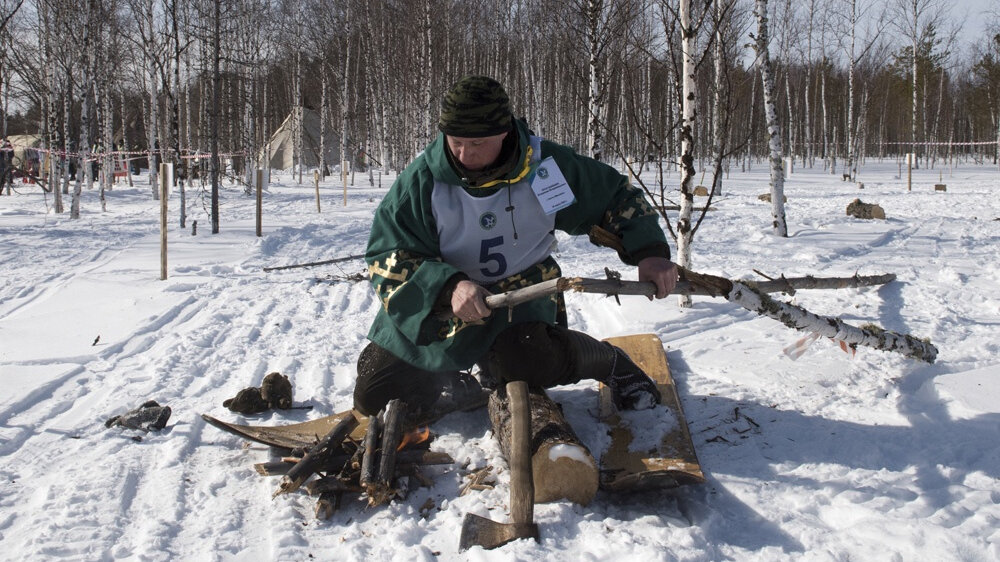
(404, 261)
(605, 199)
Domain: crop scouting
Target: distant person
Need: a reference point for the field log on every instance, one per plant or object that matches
(462, 222)
(6, 164)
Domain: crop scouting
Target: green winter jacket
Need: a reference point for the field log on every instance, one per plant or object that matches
(408, 273)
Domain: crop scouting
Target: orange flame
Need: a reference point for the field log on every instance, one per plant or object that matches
(414, 437)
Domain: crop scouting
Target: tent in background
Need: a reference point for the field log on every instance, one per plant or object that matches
(280, 149)
(23, 145)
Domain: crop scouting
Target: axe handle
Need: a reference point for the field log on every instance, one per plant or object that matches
(522, 490)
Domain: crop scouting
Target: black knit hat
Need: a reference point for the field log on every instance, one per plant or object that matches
(476, 106)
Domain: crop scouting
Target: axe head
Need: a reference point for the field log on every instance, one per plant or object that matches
(480, 531)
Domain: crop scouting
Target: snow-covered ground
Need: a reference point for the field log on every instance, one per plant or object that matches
(828, 457)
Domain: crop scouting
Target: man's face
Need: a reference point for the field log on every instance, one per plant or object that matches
(476, 153)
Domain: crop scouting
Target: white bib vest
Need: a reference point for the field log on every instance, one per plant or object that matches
(496, 236)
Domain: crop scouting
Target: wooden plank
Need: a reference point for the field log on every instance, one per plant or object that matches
(666, 462)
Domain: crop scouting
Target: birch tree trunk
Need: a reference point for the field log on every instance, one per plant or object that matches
(807, 87)
(826, 122)
(849, 168)
(323, 116)
(718, 105)
(688, 108)
(935, 135)
(175, 111)
(426, 86)
(344, 102)
(216, 54)
(786, 54)
(48, 20)
(298, 116)
(913, 63)
(83, 172)
(67, 145)
(773, 128)
(595, 99)
(154, 95)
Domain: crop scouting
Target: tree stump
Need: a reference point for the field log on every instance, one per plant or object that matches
(860, 210)
(766, 197)
(562, 467)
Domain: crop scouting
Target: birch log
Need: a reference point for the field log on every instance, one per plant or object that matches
(749, 296)
(801, 319)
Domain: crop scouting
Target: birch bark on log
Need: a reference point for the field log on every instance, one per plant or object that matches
(792, 316)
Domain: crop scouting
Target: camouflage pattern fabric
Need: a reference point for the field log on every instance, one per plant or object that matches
(476, 106)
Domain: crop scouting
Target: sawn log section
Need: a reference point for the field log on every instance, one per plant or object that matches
(561, 466)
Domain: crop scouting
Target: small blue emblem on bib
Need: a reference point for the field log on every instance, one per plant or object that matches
(487, 220)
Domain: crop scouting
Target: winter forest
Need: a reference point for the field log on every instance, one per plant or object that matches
(720, 82)
(813, 446)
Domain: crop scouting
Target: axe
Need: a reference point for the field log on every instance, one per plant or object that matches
(480, 531)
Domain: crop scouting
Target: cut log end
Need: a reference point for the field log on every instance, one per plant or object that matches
(561, 465)
(564, 471)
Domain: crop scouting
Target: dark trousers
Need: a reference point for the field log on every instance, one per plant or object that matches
(534, 352)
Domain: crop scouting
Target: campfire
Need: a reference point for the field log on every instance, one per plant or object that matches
(383, 465)
(418, 436)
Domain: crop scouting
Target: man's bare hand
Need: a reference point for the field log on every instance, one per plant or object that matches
(468, 301)
(659, 271)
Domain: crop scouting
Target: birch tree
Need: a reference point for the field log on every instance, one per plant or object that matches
(345, 99)
(10, 9)
(917, 20)
(150, 39)
(603, 22)
(689, 114)
(855, 12)
(986, 76)
(83, 172)
(771, 115)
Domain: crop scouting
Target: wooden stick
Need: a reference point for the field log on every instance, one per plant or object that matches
(317, 456)
(336, 463)
(522, 491)
(273, 468)
(380, 490)
(329, 484)
(392, 434)
(314, 263)
(369, 459)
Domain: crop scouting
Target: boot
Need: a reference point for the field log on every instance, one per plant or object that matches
(631, 388)
(459, 393)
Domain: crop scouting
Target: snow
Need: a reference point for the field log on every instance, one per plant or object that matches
(571, 452)
(827, 457)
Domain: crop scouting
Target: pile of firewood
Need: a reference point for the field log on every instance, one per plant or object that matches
(384, 465)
